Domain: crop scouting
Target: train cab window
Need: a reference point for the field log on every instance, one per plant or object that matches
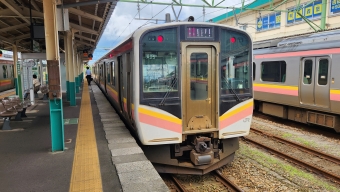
(273, 71)
(323, 72)
(234, 67)
(159, 60)
(308, 72)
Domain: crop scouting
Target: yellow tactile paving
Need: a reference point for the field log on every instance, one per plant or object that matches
(7, 94)
(86, 168)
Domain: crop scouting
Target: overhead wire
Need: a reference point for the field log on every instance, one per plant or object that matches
(224, 8)
(154, 16)
(131, 21)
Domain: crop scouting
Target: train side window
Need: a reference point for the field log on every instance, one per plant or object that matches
(323, 72)
(273, 71)
(254, 70)
(308, 72)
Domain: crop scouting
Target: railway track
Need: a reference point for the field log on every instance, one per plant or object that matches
(318, 161)
(220, 179)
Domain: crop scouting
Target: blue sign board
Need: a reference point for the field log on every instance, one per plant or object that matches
(335, 6)
(269, 21)
(265, 22)
(310, 11)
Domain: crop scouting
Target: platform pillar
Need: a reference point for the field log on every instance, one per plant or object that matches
(70, 62)
(53, 68)
(67, 68)
(76, 72)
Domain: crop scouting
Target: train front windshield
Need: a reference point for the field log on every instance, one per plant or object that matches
(160, 63)
(234, 64)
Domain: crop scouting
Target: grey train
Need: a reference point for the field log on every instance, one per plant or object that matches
(185, 90)
(297, 78)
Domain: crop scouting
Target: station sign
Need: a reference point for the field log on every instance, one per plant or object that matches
(6, 55)
(310, 11)
(269, 21)
(335, 7)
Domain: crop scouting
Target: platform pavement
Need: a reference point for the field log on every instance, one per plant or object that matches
(27, 163)
(134, 170)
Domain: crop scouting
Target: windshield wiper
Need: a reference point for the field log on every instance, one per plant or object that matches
(173, 83)
(232, 90)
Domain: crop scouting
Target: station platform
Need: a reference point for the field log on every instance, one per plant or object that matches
(100, 153)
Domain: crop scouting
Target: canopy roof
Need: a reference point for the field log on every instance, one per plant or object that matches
(89, 18)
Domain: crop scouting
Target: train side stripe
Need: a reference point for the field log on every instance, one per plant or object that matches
(277, 89)
(335, 95)
(160, 116)
(235, 118)
(5, 82)
(277, 86)
(239, 110)
(299, 53)
(161, 123)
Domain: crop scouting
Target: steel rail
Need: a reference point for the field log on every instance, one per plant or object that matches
(226, 182)
(179, 186)
(301, 147)
(315, 169)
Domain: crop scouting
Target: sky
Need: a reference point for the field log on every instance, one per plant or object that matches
(124, 19)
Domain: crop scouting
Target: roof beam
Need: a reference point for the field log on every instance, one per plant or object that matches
(85, 38)
(34, 4)
(18, 38)
(85, 3)
(15, 9)
(15, 27)
(25, 13)
(84, 14)
(83, 43)
(7, 40)
(83, 29)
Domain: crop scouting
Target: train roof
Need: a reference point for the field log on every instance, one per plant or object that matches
(301, 39)
(310, 41)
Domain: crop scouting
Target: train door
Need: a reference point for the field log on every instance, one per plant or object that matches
(121, 83)
(199, 91)
(105, 75)
(128, 85)
(314, 84)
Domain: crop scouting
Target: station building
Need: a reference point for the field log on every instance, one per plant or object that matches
(265, 19)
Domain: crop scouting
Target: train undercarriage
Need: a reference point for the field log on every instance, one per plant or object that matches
(197, 155)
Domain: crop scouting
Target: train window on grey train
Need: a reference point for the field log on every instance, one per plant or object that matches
(159, 59)
(273, 71)
(308, 72)
(323, 72)
(199, 76)
(234, 63)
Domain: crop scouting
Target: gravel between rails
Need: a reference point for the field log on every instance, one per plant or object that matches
(256, 170)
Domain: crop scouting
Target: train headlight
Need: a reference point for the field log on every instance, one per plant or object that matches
(232, 39)
(160, 38)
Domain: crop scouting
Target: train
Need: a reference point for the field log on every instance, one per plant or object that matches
(6, 70)
(295, 78)
(184, 89)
